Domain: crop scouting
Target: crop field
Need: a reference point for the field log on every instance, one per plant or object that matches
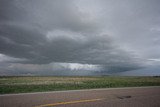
(39, 84)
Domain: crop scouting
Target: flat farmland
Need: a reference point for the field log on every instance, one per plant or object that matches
(42, 84)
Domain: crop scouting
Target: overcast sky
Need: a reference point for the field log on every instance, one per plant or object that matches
(78, 37)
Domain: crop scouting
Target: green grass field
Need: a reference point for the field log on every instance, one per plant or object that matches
(39, 84)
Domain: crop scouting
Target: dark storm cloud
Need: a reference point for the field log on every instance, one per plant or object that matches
(44, 32)
(59, 46)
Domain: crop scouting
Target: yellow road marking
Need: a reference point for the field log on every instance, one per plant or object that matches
(69, 102)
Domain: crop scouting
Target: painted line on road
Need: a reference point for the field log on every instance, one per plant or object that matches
(70, 102)
(98, 89)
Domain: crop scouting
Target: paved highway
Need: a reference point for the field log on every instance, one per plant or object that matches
(112, 97)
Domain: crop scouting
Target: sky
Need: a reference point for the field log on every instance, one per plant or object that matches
(79, 37)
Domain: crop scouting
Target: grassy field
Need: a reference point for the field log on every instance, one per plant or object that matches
(39, 84)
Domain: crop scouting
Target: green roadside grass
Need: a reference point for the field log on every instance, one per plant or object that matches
(42, 84)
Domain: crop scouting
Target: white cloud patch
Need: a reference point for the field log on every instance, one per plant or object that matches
(61, 34)
(5, 58)
(154, 59)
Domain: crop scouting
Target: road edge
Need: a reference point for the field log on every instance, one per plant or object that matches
(66, 91)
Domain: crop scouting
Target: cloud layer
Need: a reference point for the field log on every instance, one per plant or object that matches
(53, 37)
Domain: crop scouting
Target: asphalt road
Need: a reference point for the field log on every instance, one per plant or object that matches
(114, 97)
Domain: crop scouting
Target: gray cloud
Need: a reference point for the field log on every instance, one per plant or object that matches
(116, 35)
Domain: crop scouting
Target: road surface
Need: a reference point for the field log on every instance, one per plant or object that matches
(114, 97)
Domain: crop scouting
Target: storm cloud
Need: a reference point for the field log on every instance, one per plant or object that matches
(83, 37)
